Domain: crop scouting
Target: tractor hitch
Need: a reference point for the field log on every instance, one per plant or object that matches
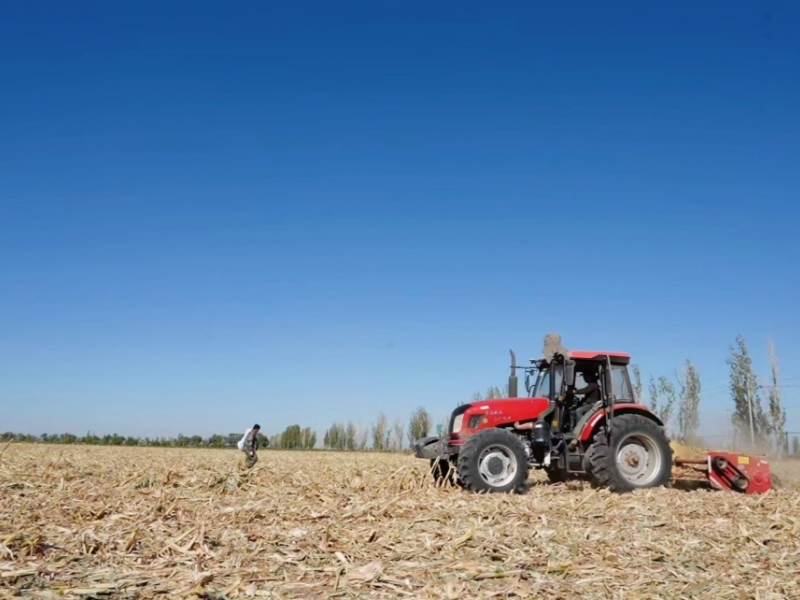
(432, 447)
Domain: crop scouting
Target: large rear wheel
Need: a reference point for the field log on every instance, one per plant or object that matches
(637, 455)
(493, 460)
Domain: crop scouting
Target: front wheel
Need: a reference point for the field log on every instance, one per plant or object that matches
(637, 455)
(493, 461)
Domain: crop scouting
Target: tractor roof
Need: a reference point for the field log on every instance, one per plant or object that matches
(617, 358)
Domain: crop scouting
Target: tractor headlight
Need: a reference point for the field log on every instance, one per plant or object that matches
(457, 423)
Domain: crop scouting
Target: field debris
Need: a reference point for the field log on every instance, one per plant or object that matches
(146, 523)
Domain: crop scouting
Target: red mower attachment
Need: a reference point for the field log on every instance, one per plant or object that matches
(734, 472)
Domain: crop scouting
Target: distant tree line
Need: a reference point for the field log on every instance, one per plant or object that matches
(763, 429)
(381, 436)
(675, 400)
(754, 427)
(294, 438)
(182, 441)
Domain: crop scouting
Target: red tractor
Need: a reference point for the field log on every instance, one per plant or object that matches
(610, 439)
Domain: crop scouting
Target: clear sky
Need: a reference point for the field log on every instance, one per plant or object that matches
(219, 213)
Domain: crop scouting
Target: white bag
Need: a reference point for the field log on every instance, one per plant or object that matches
(240, 444)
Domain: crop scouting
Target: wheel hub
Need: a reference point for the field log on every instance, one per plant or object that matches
(638, 459)
(497, 466)
(633, 459)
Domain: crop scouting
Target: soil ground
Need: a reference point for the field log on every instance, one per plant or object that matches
(136, 523)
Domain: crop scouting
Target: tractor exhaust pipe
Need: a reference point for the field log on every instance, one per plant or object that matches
(512, 379)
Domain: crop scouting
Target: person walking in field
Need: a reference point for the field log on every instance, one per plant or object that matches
(249, 445)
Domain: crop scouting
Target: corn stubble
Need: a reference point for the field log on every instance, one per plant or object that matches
(125, 523)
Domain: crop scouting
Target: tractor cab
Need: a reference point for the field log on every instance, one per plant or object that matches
(580, 383)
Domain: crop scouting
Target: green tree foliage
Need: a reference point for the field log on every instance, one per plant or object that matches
(292, 438)
(419, 426)
(745, 392)
(662, 398)
(380, 433)
(689, 407)
(308, 439)
(398, 428)
(216, 441)
(350, 434)
(637, 382)
(335, 438)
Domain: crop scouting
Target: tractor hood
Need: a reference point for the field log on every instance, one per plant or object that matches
(495, 413)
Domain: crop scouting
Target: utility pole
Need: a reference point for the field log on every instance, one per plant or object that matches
(777, 413)
(750, 408)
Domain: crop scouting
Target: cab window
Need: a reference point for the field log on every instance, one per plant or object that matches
(542, 389)
(622, 387)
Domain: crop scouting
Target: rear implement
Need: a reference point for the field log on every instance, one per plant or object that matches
(732, 472)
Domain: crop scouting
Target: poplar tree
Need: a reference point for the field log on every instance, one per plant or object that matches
(419, 426)
(748, 413)
(688, 410)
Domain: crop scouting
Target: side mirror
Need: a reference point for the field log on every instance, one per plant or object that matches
(569, 373)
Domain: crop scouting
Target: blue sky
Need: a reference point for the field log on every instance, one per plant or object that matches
(214, 214)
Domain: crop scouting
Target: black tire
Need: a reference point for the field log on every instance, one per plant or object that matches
(475, 468)
(444, 472)
(587, 462)
(648, 437)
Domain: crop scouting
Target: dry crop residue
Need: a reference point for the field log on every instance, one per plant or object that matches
(127, 523)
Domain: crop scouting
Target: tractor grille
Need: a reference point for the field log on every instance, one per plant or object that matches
(474, 421)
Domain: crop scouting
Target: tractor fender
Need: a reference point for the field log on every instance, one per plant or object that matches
(597, 417)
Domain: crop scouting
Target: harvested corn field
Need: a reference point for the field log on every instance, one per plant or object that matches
(129, 523)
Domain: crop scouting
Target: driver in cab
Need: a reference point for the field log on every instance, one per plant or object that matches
(590, 393)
